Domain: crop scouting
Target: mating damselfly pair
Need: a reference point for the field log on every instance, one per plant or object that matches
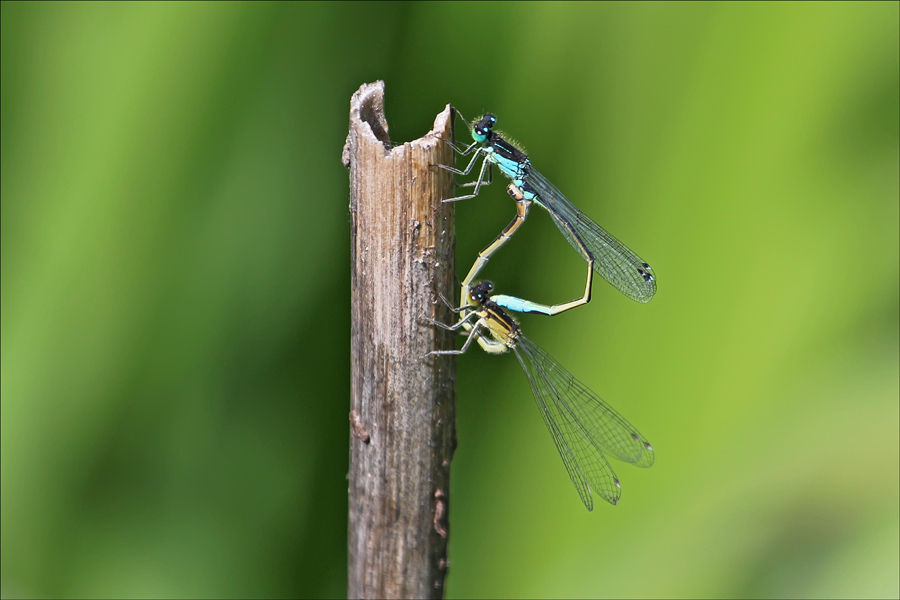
(583, 427)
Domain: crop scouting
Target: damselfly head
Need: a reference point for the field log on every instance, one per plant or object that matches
(481, 128)
(480, 292)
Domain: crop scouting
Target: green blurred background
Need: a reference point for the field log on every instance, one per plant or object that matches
(175, 275)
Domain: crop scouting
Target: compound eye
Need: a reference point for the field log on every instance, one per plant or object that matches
(484, 125)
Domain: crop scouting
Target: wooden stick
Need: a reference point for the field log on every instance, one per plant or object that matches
(403, 430)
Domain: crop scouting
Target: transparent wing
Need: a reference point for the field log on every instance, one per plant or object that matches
(613, 260)
(582, 425)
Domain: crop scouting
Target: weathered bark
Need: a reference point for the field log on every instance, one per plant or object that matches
(402, 401)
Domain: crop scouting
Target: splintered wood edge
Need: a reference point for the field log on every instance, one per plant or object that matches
(368, 119)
